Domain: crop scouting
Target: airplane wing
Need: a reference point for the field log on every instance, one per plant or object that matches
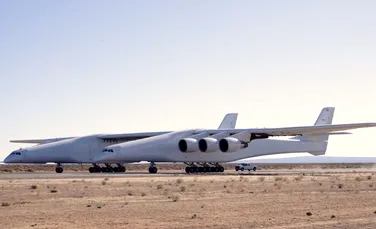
(131, 136)
(228, 122)
(296, 131)
(40, 141)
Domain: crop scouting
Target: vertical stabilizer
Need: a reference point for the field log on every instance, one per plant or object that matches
(325, 118)
(229, 121)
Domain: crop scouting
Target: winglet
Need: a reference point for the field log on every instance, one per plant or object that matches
(229, 121)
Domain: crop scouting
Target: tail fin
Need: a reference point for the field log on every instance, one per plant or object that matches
(325, 118)
(229, 121)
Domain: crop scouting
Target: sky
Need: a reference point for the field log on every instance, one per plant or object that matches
(72, 68)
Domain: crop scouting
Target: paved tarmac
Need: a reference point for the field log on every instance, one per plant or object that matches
(50, 175)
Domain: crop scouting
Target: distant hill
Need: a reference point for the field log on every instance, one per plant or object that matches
(312, 159)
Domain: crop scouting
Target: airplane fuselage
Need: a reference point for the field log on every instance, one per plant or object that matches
(164, 148)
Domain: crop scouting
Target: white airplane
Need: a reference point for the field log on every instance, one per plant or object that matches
(203, 150)
(83, 149)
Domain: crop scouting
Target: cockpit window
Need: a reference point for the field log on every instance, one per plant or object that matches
(15, 153)
(107, 150)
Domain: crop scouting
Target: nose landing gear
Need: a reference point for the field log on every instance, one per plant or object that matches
(58, 168)
(152, 168)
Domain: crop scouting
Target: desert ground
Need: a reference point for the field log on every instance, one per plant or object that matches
(341, 200)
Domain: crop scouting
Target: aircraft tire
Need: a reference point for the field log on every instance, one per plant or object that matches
(187, 169)
(91, 170)
(221, 169)
(153, 170)
(59, 170)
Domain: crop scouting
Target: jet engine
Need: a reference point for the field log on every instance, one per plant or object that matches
(187, 145)
(231, 144)
(208, 145)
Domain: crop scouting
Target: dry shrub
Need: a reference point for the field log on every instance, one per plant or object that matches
(261, 179)
(143, 194)
(183, 188)
(340, 185)
(53, 191)
(104, 182)
(278, 178)
(175, 198)
(179, 181)
(130, 193)
(106, 179)
(159, 186)
(34, 186)
(358, 178)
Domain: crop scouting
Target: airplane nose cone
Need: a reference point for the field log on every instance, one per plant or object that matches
(7, 160)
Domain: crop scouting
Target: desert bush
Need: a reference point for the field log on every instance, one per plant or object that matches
(159, 186)
(53, 191)
(104, 182)
(143, 194)
(261, 179)
(358, 178)
(179, 181)
(34, 186)
(278, 178)
(175, 198)
(5, 204)
(183, 188)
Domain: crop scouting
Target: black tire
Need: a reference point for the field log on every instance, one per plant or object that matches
(249, 170)
(91, 170)
(59, 170)
(254, 168)
(153, 170)
(242, 169)
(123, 169)
(221, 169)
(187, 169)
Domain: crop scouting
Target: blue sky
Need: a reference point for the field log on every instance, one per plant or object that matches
(72, 68)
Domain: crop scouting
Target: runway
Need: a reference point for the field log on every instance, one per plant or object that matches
(49, 175)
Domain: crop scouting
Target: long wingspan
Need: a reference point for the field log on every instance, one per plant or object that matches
(299, 130)
(40, 141)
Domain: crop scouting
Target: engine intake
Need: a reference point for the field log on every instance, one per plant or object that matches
(208, 145)
(187, 145)
(231, 144)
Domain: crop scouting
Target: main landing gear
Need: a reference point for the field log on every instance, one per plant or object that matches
(204, 168)
(107, 169)
(152, 168)
(58, 168)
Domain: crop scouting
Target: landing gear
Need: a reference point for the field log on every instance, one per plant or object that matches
(107, 169)
(152, 168)
(204, 168)
(59, 169)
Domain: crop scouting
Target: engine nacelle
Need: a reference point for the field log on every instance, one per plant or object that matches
(188, 145)
(230, 144)
(208, 145)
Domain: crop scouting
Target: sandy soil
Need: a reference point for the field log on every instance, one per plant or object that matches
(210, 201)
(168, 167)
